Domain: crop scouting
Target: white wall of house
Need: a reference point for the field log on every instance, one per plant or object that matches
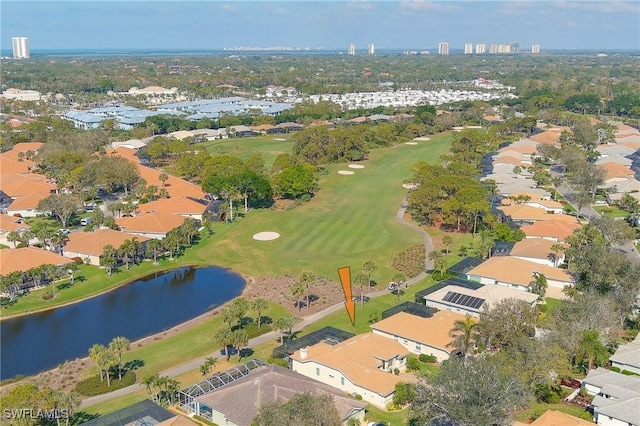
(445, 307)
(93, 260)
(632, 368)
(554, 210)
(487, 281)
(416, 347)
(336, 379)
(539, 261)
(24, 213)
(603, 420)
(145, 234)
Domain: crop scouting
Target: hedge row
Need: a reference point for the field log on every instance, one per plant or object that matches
(94, 386)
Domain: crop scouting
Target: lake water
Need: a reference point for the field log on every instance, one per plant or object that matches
(37, 342)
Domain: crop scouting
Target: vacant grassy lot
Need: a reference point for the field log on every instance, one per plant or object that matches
(269, 146)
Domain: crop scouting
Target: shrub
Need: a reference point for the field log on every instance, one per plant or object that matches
(429, 359)
(410, 262)
(77, 260)
(93, 386)
(253, 330)
(358, 396)
(413, 364)
(616, 369)
(548, 393)
(278, 361)
(396, 371)
(47, 295)
(629, 373)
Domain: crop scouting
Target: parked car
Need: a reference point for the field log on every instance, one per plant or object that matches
(64, 231)
(571, 383)
(392, 286)
(365, 298)
(86, 221)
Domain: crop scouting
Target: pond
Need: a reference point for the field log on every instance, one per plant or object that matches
(41, 341)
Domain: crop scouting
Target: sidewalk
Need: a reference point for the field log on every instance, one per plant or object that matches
(273, 335)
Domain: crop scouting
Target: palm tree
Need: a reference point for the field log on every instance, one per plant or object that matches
(464, 335)
(224, 337)
(398, 278)
(369, 268)
(282, 325)
(150, 381)
(556, 181)
(259, 306)
(230, 192)
(163, 178)
(208, 365)
(591, 349)
(189, 229)
(109, 258)
(126, 251)
(447, 241)
(556, 249)
(118, 346)
(306, 280)
(240, 340)
(13, 237)
(297, 290)
(538, 284)
(154, 247)
(360, 279)
(435, 256)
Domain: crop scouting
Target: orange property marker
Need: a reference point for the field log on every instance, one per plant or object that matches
(345, 280)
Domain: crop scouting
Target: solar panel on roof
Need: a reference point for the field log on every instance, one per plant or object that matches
(463, 300)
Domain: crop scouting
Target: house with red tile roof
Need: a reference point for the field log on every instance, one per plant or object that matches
(517, 273)
(360, 365)
(25, 258)
(524, 213)
(150, 225)
(89, 246)
(429, 336)
(554, 230)
(538, 250)
(182, 206)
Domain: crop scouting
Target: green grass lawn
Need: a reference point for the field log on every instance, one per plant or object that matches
(350, 220)
(269, 146)
(611, 211)
(539, 408)
(389, 418)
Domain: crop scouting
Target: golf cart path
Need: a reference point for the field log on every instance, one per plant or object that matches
(273, 335)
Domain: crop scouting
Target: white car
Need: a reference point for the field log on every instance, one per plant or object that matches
(64, 231)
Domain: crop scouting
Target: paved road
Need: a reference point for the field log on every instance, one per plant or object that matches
(273, 335)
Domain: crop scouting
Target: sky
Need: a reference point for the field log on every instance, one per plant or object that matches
(410, 24)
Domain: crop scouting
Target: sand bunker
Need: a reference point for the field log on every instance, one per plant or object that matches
(355, 166)
(266, 236)
(345, 172)
(411, 143)
(422, 138)
(279, 139)
(410, 185)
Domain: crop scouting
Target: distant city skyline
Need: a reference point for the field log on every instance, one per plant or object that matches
(421, 24)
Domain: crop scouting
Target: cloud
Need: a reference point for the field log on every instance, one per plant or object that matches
(228, 8)
(608, 7)
(425, 5)
(360, 5)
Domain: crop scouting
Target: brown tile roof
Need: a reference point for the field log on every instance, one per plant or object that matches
(25, 258)
(262, 127)
(532, 196)
(525, 212)
(558, 418)
(155, 223)
(27, 146)
(175, 186)
(20, 184)
(550, 204)
(92, 243)
(240, 400)
(178, 421)
(615, 170)
(550, 137)
(11, 223)
(10, 165)
(551, 228)
(507, 159)
(178, 205)
(522, 149)
(511, 270)
(28, 202)
(358, 358)
(433, 331)
(632, 144)
(538, 248)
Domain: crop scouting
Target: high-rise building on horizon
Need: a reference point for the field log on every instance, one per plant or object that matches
(481, 49)
(493, 48)
(20, 47)
(352, 49)
(443, 48)
(468, 48)
(515, 47)
(535, 48)
(372, 49)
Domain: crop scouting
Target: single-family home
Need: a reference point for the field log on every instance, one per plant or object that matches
(150, 225)
(182, 206)
(362, 365)
(237, 402)
(554, 230)
(471, 301)
(549, 137)
(522, 214)
(617, 397)
(289, 126)
(538, 250)
(627, 356)
(11, 224)
(89, 246)
(25, 258)
(615, 174)
(517, 273)
(241, 131)
(429, 336)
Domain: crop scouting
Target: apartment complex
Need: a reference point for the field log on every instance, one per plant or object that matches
(468, 48)
(352, 49)
(20, 47)
(372, 49)
(443, 48)
(535, 48)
